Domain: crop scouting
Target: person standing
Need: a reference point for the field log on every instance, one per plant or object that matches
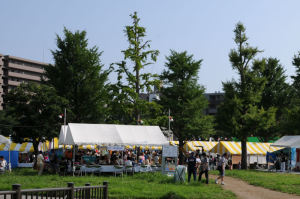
(192, 167)
(221, 168)
(204, 167)
(40, 163)
(282, 164)
(3, 164)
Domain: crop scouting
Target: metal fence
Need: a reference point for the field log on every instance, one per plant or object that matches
(70, 192)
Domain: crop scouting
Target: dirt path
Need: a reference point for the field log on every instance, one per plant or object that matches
(245, 191)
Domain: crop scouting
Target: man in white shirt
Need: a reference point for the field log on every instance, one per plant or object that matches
(3, 164)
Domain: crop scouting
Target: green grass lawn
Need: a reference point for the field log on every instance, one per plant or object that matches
(289, 183)
(143, 185)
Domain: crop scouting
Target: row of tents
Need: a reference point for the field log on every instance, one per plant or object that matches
(89, 136)
(231, 147)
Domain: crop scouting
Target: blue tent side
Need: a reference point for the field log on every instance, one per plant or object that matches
(14, 157)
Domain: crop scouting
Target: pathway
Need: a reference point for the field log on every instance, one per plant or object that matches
(245, 191)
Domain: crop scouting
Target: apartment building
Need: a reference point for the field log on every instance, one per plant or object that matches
(214, 100)
(16, 70)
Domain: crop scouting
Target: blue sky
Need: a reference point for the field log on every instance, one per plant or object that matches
(203, 28)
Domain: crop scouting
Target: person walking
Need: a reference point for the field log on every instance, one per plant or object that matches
(192, 167)
(221, 168)
(204, 167)
(40, 163)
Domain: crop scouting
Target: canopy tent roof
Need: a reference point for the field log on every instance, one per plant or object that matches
(4, 140)
(62, 134)
(207, 145)
(288, 141)
(110, 134)
(196, 145)
(27, 146)
(253, 148)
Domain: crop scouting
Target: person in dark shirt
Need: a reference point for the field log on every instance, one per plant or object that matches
(204, 167)
(192, 167)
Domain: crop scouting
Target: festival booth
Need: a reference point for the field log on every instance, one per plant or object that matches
(112, 137)
(203, 146)
(292, 143)
(21, 153)
(256, 151)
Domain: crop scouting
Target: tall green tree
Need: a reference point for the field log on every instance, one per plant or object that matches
(291, 117)
(78, 76)
(276, 93)
(240, 115)
(36, 109)
(126, 97)
(185, 98)
(296, 77)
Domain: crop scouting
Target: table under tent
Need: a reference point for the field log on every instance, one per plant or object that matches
(113, 136)
(292, 147)
(256, 151)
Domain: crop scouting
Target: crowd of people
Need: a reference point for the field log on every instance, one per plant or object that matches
(202, 163)
(59, 161)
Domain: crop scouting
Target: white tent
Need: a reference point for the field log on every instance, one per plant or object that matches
(62, 134)
(110, 134)
(288, 141)
(4, 140)
(141, 135)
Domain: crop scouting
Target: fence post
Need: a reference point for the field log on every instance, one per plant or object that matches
(105, 190)
(71, 191)
(17, 189)
(87, 192)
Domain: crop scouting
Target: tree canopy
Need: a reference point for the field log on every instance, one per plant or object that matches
(240, 115)
(36, 109)
(127, 104)
(182, 94)
(78, 76)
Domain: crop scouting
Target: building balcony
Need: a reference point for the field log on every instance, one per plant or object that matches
(24, 76)
(13, 83)
(26, 68)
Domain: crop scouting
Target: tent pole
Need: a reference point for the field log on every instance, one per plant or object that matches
(9, 163)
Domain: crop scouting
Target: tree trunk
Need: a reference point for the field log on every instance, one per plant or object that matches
(181, 157)
(244, 153)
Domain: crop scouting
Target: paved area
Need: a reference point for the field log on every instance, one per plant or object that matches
(245, 191)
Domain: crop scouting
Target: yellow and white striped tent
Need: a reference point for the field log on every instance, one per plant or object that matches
(198, 145)
(24, 147)
(234, 148)
(45, 146)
